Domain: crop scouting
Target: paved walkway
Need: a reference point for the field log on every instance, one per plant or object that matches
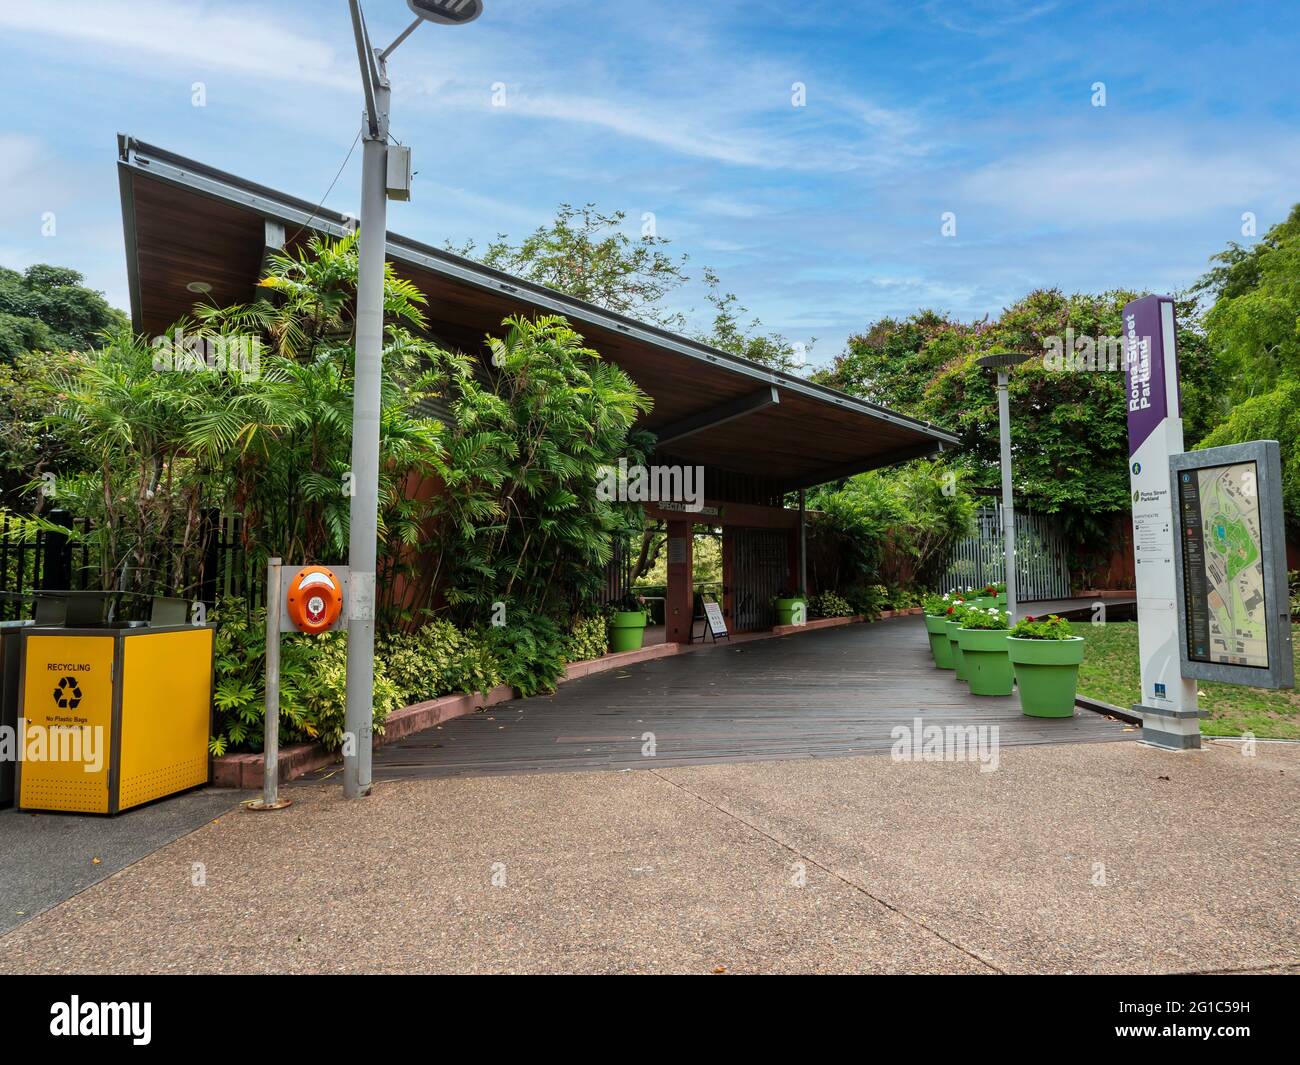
(828, 693)
(46, 857)
(1082, 857)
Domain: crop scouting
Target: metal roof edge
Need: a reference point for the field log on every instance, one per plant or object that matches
(168, 166)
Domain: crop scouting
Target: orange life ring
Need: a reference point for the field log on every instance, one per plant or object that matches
(315, 599)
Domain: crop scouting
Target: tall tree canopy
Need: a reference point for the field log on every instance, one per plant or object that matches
(46, 308)
(587, 254)
(1068, 425)
(1252, 332)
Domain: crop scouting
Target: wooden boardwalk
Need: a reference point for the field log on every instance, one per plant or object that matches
(828, 693)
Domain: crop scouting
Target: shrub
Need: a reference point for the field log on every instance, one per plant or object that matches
(867, 599)
(588, 638)
(829, 605)
(530, 652)
(312, 684)
(438, 659)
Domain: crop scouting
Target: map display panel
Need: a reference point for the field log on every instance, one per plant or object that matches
(1223, 565)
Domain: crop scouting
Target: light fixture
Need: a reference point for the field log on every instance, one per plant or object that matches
(448, 12)
(199, 288)
(1000, 360)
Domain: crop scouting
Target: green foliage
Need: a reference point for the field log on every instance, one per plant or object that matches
(894, 361)
(286, 466)
(829, 605)
(530, 650)
(1274, 415)
(1253, 334)
(312, 684)
(521, 521)
(730, 333)
(584, 253)
(936, 605)
(867, 599)
(46, 308)
(29, 450)
(1068, 426)
(980, 617)
(1051, 627)
(892, 527)
(438, 659)
(588, 638)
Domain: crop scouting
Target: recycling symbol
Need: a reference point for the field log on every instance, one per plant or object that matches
(67, 695)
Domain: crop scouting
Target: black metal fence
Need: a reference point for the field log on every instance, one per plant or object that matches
(48, 559)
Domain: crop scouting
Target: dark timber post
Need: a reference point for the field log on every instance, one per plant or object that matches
(211, 555)
(56, 554)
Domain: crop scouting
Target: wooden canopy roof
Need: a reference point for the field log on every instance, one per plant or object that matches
(186, 222)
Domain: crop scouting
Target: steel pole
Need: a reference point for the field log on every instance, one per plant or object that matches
(270, 799)
(364, 509)
(271, 719)
(1008, 505)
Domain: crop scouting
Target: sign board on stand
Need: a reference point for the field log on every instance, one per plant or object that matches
(716, 622)
(1235, 617)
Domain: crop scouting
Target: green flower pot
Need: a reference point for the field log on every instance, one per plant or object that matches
(1047, 673)
(1002, 600)
(627, 630)
(987, 602)
(988, 668)
(785, 609)
(940, 648)
(952, 627)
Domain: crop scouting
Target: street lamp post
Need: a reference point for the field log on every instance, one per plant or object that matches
(364, 508)
(1002, 361)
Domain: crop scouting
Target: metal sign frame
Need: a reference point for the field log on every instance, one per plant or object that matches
(1267, 457)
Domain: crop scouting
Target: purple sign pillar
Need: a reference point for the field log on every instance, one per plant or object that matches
(1170, 717)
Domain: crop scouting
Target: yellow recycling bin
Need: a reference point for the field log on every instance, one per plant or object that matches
(113, 717)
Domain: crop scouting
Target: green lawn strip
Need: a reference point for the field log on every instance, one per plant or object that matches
(1110, 673)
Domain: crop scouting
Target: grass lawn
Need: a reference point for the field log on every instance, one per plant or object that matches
(1110, 673)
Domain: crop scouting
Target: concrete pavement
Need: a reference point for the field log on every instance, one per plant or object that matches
(1075, 858)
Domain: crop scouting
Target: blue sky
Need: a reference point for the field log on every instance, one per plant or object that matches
(822, 218)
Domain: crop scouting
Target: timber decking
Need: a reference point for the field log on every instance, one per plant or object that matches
(828, 693)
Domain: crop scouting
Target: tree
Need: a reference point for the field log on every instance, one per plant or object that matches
(729, 333)
(155, 434)
(891, 527)
(585, 254)
(894, 361)
(46, 308)
(1068, 424)
(1252, 334)
(520, 521)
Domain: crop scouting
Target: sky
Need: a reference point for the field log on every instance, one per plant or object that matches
(810, 152)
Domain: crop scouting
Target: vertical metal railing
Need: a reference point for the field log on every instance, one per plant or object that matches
(1042, 567)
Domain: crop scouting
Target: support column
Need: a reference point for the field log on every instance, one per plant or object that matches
(679, 605)
(803, 544)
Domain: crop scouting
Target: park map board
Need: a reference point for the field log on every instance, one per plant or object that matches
(1223, 565)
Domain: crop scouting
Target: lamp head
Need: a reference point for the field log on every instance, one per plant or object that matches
(447, 12)
(1002, 360)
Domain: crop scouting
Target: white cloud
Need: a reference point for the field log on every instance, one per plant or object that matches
(1134, 180)
(232, 37)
